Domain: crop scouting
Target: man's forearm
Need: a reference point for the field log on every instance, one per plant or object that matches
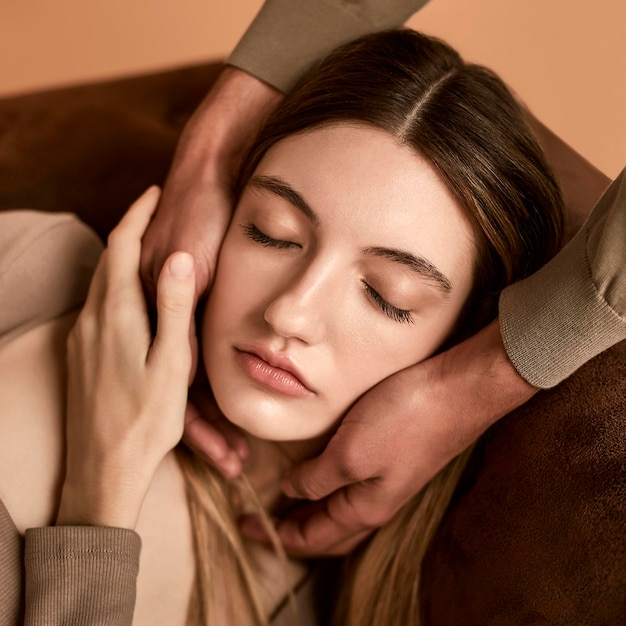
(225, 124)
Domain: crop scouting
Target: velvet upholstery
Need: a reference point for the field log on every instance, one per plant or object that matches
(536, 532)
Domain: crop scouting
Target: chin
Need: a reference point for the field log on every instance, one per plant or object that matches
(269, 418)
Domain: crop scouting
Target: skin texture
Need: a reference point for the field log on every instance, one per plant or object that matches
(299, 287)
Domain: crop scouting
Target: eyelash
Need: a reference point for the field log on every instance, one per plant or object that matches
(397, 315)
(255, 234)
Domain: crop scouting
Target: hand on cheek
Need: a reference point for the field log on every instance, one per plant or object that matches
(127, 392)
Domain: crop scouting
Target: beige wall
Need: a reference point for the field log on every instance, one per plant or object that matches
(566, 58)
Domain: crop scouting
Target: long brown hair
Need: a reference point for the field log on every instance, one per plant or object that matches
(464, 120)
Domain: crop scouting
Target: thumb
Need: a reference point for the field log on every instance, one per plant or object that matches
(316, 478)
(175, 301)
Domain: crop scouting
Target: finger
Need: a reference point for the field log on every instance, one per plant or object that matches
(343, 548)
(349, 515)
(97, 287)
(175, 301)
(294, 535)
(316, 478)
(124, 241)
(209, 411)
(210, 444)
(135, 221)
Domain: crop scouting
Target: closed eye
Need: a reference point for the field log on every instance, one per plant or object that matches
(398, 315)
(257, 235)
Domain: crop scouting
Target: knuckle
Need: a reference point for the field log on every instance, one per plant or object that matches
(180, 363)
(352, 465)
(83, 330)
(116, 237)
(308, 486)
(173, 364)
(343, 508)
(304, 535)
(117, 313)
(174, 306)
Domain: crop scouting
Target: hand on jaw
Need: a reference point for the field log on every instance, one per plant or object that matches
(393, 441)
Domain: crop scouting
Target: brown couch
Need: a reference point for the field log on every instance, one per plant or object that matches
(536, 533)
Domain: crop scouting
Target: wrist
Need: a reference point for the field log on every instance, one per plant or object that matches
(481, 367)
(223, 127)
(103, 501)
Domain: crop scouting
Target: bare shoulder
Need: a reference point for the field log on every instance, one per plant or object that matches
(32, 401)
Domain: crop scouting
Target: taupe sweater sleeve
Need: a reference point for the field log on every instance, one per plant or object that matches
(80, 575)
(287, 36)
(575, 306)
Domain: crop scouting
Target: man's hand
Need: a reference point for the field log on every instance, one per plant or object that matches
(393, 441)
(198, 196)
(194, 212)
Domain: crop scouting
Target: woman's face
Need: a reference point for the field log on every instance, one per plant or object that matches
(347, 260)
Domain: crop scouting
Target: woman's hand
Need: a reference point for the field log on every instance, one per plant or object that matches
(127, 392)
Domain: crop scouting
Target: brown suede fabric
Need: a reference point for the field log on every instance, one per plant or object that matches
(93, 149)
(536, 533)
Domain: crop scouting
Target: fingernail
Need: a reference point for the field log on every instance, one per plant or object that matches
(181, 265)
(242, 449)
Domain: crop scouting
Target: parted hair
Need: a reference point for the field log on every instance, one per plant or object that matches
(465, 121)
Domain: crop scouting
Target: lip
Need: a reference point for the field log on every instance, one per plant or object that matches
(273, 370)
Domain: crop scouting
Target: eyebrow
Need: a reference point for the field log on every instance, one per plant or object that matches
(280, 188)
(417, 264)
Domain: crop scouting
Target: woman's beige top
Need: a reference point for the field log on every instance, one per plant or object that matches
(56, 575)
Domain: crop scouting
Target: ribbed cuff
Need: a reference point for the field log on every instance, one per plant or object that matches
(556, 320)
(287, 36)
(80, 575)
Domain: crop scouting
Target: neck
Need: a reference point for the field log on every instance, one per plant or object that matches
(268, 462)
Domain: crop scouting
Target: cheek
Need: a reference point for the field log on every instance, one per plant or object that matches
(225, 303)
(237, 280)
(369, 355)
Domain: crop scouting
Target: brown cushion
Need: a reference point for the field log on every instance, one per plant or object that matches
(92, 149)
(536, 532)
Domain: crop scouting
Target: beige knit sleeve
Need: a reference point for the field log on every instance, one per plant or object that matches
(80, 575)
(287, 36)
(575, 306)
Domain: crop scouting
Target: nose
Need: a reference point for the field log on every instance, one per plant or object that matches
(300, 307)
